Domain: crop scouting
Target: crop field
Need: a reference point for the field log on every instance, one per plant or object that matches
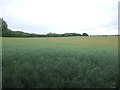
(60, 62)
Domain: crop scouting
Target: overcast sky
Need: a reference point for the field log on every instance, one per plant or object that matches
(61, 16)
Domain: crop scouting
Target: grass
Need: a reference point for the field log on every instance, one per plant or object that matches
(66, 62)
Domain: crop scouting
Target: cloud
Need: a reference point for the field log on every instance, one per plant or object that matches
(61, 16)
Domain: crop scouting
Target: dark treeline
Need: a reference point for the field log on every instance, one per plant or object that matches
(9, 33)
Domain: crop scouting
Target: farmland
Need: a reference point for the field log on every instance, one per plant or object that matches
(60, 62)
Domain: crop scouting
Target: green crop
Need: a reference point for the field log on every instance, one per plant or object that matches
(60, 62)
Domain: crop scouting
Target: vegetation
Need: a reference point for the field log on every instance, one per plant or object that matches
(85, 34)
(60, 62)
(9, 33)
(68, 60)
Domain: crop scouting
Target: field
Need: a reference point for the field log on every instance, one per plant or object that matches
(60, 62)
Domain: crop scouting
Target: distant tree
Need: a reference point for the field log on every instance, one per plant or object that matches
(78, 34)
(9, 33)
(3, 27)
(85, 34)
(62, 35)
(52, 35)
(3, 24)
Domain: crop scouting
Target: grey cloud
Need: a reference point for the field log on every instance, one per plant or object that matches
(41, 28)
(113, 24)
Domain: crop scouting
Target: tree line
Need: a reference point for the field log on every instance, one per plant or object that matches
(9, 33)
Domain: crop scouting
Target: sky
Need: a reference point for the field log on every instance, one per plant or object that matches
(94, 17)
